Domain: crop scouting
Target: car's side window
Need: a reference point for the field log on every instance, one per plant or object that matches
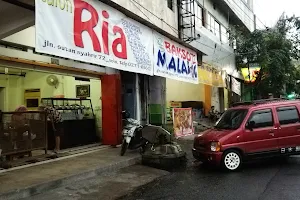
(287, 115)
(262, 118)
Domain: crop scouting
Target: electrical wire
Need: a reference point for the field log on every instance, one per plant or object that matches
(258, 5)
(202, 6)
(222, 58)
(176, 30)
(141, 10)
(173, 28)
(214, 61)
(241, 9)
(248, 15)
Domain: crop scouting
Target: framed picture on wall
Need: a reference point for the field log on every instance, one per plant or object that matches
(82, 91)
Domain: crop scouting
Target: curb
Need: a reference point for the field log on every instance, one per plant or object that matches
(46, 186)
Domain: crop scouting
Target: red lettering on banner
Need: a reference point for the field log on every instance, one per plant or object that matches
(174, 52)
(188, 56)
(105, 32)
(119, 45)
(119, 41)
(80, 26)
(183, 54)
(180, 52)
(167, 46)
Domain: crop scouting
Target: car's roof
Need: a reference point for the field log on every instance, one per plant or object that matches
(265, 103)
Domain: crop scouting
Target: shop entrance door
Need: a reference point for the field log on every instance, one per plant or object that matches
(143, 83)
(129, 93)
(221, 99)
(2, 98)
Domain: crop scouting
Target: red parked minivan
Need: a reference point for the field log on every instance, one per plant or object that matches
(250, 130)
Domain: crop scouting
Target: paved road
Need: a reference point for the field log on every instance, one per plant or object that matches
(265, 180)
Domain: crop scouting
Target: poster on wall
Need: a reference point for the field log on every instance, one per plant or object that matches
(171, 105)
(82, 91)
(93, 32)
(172, 60)
(236, 86)
(182, 122)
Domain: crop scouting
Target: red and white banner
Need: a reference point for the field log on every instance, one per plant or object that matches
(174, 61)
(93, 32)
(182, 122)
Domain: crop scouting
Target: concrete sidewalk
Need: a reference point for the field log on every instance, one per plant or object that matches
(115, 185)
(29, 181)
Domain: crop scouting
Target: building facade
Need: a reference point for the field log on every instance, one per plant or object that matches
(188, 44)
(43, 56)
(206, 24)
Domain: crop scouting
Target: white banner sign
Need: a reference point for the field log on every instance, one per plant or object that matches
(93, 32)
(172, 60)
(236, 86)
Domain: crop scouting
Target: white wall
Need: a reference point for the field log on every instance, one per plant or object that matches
(215, 98)
(13, 96)
(221, 17)
(244, 11)
(183, 91)
(158, 8)
(28, 33)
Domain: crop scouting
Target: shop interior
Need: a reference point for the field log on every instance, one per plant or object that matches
(65, 92)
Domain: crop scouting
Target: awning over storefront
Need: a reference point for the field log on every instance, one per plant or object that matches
(30, 58)
(15, 16)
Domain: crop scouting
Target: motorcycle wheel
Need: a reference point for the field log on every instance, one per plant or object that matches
(124, 147)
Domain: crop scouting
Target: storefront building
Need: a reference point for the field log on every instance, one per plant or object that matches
(210, 91)
(100, 70)
(27, 79)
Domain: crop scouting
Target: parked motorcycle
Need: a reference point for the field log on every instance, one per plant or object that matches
(162, 152)
(132, 134)
(155, 143)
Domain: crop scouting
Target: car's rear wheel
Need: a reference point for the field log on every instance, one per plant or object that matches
(232, 160)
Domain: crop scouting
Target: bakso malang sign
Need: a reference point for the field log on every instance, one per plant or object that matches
(172, 60)
(93, 32)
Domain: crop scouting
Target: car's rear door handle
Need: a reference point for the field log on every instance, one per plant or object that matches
(271, 132)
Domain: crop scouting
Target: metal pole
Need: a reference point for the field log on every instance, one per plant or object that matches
(254, 22)
(251, 93)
